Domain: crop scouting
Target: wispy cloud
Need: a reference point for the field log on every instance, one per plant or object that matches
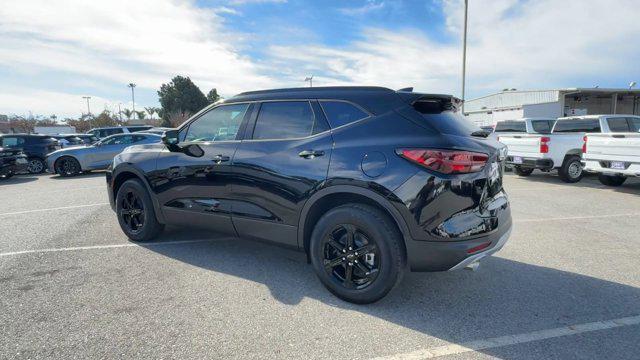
(370, 6)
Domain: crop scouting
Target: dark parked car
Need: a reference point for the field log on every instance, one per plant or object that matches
(12, 161)
(78, 139)
(36, 147)
(367, 181)
(66, 141)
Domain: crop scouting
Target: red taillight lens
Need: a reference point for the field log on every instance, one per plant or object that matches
(446, 161)
(544, 147)
(584, 145)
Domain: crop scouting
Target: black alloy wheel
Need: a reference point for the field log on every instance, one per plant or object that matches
(67, 166)
(132, 211)
(357, 252)
(351, 258)
(135, 211)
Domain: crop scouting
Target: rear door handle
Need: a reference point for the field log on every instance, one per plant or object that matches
(310, 154)
(220, 158)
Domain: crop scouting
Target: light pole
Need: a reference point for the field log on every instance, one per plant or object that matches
(133, 96)
(310, 80)
(88, 108)
(120, 112)
(464, 51)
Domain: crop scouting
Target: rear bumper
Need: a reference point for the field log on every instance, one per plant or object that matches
(531, 163)
(13, 167)
(603, 166)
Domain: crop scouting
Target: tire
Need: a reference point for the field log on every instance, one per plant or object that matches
(374, 273)
(6, 176)
(522, 171)
(67, 166)
(611, 180)
(36, 166)
(135, 212)
(571, 169)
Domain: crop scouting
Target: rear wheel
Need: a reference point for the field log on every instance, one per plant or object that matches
(36, 166)
(571, 169)
(523, 171)
(357, 253)
(611, 180)
(135, 212)
(67, 166)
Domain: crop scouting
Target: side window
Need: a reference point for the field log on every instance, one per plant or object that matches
(541, 126)
(634, 123)
(219, 124)
(618, 124)
(284, 120)
(123, 140)
(109, 140)
(341, 113)
(103, 133)
(12, 141)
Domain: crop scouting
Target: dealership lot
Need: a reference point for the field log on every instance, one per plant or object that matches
(72, 285)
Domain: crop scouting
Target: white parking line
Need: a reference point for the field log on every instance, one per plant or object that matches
(576, 217)
(51, 209)
(507, 340)
(99, 247)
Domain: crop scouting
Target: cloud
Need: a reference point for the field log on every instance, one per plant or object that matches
(146, 42)
(370, 6)
(532, 44)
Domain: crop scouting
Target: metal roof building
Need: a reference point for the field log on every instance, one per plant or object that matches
(514, 104)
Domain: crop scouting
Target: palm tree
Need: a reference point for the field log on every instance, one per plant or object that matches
(151, 110)
(128, 113)
(141, 115)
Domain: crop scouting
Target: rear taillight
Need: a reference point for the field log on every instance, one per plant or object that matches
(584, 144)
(446, 161)
(544, 147)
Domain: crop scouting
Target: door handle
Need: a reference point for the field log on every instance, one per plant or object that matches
(310, 154)
(220, 158)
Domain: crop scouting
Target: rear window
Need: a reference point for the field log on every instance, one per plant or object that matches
(577, 126)
(541, 126)
(511, 126)
(618, 124)
(451, 123)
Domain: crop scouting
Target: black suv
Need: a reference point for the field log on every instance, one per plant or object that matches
(366, 180)
(36, 147)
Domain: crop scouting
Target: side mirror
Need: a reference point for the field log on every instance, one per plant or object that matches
(171, 139)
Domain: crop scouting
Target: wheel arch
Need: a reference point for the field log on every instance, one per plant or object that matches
(333, 196)
(126, 172)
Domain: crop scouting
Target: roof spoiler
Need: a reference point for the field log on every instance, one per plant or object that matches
(438, 102)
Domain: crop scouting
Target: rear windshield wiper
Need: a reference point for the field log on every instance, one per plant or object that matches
(480, 133)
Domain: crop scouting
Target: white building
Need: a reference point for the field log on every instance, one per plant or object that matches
(514, 104)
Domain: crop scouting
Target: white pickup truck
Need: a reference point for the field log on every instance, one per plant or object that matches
(616, 155)
(523, 126)
(561, 150)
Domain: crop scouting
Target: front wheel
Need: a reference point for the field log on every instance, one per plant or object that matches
(135, 212)
(523, 171)
(571, 170)
(611, 180)
(357, 253)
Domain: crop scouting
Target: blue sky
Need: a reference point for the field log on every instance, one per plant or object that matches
(52, 54)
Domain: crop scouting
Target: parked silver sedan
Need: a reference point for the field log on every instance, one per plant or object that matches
(74, 160)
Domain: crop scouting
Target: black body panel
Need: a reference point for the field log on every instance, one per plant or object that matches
(268, 189)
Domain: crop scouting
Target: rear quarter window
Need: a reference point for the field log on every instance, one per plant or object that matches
(577, 126)
(341, 113)
(511, 126)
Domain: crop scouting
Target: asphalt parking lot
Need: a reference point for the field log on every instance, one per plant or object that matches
(566, 285)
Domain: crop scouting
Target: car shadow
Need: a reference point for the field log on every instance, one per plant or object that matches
(502, 297)
(92, 174)
(631, 185)
(18, 179)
